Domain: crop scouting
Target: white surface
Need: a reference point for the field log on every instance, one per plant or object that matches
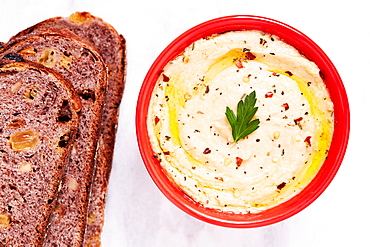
(137, 213)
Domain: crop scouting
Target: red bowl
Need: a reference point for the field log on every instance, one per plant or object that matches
(328, 170)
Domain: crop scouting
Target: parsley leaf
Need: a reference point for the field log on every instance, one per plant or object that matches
(241, 123)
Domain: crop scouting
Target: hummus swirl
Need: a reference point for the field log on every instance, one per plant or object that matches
(192, 139)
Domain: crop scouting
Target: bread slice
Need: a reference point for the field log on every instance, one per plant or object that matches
(112, 47)
(38, 122)
(80, 63)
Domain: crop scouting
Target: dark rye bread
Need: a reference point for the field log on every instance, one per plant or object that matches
(38, 122)
(112, 47)
(80, 63)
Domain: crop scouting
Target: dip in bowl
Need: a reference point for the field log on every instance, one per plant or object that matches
(188, 138)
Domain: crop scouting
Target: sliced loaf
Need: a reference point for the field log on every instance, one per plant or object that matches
(80, 63)
(112, 47)
(38, 122)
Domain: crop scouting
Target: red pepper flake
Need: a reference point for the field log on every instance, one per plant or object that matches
(308, 140)
(289, 73)
(322, 75)
(286, 106)
(250, 56)
(219, 178)
(269, 95)
(297, 120)
(165, 78)
(282, 185)
(166, 152)
(238, 63)
(239, 161)
(207, 89)
(156, 120)
(207, 151)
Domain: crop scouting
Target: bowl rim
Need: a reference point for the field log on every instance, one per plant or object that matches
(340, 136)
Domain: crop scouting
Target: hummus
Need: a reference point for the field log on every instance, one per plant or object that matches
(192, 139)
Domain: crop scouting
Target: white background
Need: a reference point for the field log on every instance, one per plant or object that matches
(137, 213)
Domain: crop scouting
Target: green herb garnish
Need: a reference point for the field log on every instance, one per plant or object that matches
(241, 124)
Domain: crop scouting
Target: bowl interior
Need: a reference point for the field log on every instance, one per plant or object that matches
(340, 137)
